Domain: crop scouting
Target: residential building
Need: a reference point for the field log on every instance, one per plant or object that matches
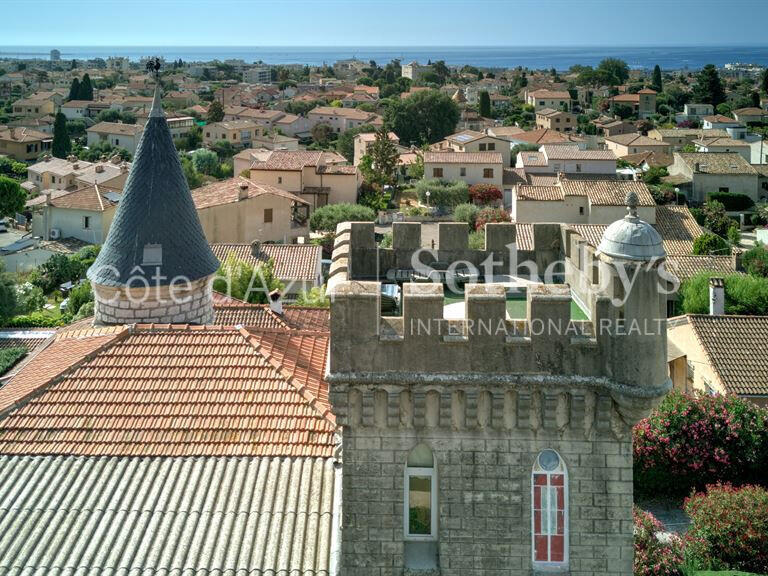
(363, 140)
(719, 354)
(22, 144)
(626, 144)
(342, 119)
(320, 178)
(694, 112)
(471, 167)
(610, 127)
(297, 266)
(679, 138)
(541, 137)
(71, 173)
(84, 214)
(719, 122)
(751, 115)
(42, 124)
(474, 141)
(239, 133)
(723, 144)
(557, 120)
(240, 211)
(642, 104)
(414, 70)
(117, 134)
(699, 174)
(570, 159)
(504, 132)
(552, 99)
(258, 75)
(76, 109)
(34, 107)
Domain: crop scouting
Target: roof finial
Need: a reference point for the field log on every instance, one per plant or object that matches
(631, 200)
(153, 67)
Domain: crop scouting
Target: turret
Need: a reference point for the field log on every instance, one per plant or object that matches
(156, 264)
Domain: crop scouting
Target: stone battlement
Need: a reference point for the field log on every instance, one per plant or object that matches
(623, 343)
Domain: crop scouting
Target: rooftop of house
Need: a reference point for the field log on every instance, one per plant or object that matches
(549, 112)
(635, 140)
(735, 347)
(234, 124)
(652, 158)
(292, 261)
(720, 119)
(551, 94)
(718, 141)
(349, 113)
(371, 136)
(686, 266)
(59, 166)
(293, 160)
(751, 111)
(560, 152)
(545, 136)
(235, 190)
(462, 158)
(23, 135)
(91, 198)
(116, 128)
(720, 163)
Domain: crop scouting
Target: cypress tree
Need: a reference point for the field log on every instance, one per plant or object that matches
(62, 145)
(709, 88)
(86, 88)
(485, 104)
(74, 89)
(656, 82)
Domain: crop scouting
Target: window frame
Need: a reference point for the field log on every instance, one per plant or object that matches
(268, 215)
(418, 471)
(536, 470)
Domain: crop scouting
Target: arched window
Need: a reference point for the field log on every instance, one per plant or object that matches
(420, 510)
(549, 517)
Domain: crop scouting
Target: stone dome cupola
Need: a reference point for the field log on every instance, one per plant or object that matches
(632, 238)
(156, 264)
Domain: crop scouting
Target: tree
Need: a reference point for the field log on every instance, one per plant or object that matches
(62, 145)
(243, 281)
(326, 218)
(205, 162)
(322, 133)
(709, 87)
(614, 68)
(74, 89)
(424, 117)
(7, 293)
(755, 261)
(656, 81)
(764, 81)
(215, 112)
(12, 197)
(85, 91)
(485, 104)
(384, 160)
(710, 244)
(345, 143)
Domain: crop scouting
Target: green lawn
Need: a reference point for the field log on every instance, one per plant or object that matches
(517, 307)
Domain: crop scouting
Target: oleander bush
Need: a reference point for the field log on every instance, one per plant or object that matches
(690, 441)
(729, 529)
(485, 194)
(657, 553)
(488, 214)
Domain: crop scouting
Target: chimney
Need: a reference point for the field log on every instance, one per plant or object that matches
(242, 192)
(716, 297)
(99, 168)
(255, 248)
(276, 302)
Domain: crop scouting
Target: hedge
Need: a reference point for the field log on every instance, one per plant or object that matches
(9, 357)
(442, 193)
(328, 217)
(744, 294)
(732, 202)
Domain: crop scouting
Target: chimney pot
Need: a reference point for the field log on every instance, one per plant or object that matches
(276, 302)
(716, 296)
(242, 193)
(255, 248)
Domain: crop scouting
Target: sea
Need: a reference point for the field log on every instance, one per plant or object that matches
(543, 57)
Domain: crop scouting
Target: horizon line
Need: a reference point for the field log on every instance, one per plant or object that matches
(341, 46)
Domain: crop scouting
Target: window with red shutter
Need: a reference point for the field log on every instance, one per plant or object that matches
(549, 514)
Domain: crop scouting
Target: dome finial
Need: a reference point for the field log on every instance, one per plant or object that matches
(631, 200)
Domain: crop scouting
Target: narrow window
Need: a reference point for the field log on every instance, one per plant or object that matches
(420, 521)
(549, 518)
(279, 179)
(267, 215)
(437, 172)
(86, 222)
(482, 147)
(462, 171)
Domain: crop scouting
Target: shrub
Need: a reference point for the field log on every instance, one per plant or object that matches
(732, 202)
(243, 281)
(734, 235)
(86, 311)
(477, 240)
(9, 357)
(373, 197)
(656, 554)
(713, 216)
(729, 529)
(328, 217)
(755, 261)
(34, 320)
(78, 296)
(466, 213)
(691, 441)
(485, 194)
(29, 298)
(710, 244)
(442, 194)
(314, 298)
(488, 214)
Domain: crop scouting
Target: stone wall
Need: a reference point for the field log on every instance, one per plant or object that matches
(193, 305)
(484, 440)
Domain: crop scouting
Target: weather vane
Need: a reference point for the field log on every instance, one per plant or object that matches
(153, 66)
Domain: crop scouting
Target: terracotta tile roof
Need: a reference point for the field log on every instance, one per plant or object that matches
(592, 233)
(687, 266)
(545, 136)
(24, 337)
(552, 94)
(573, 152)
(291, 160)
(652, 158)
(720, 119)
(524, 236)
(228, 192)
(608, 192)
(678, 229)
(261, 316)
(174, 391)
(540, 193)
(462, 158)
(720, 163)
(533, 158)
(92, 198)
(116, 128)
(707, 142)
(735, 346)
(349, 113)
(512, 176)
(636, 140)
(23, 135)
(292, 261)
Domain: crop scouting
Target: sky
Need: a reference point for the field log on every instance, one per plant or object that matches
(383, 22)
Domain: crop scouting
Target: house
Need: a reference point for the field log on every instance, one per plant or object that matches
(258, 75)
(342, 119)
(723, 144)
(471, 167)
(471, 120)
(557, 120)
(76, 109)
(567, 159)
(22, 144)
(504, 132)
(719, 354)
(679, 138)
(33, 107)
(363, 140)
(239, 133)
(626, 144)
(751, 115)
(694, 112)
(719, 122)
(642, 104)
(117, 134)
(275, 141)
(540, 137)
(85, 213)
(609, 127)
(414, 71)
(53, 173)
(42, 124)
(240, 211)
(474, 141)
(553, 99)
(701, 173)
(179, 126)
(297, 266)
(318, 177)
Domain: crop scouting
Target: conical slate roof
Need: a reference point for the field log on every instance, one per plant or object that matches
(155, 233)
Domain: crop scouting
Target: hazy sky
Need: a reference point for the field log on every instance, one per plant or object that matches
(383, 22)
